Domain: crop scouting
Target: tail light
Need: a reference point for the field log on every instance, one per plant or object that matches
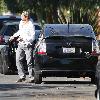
(2, 40)
(95, 48)
(42, 49)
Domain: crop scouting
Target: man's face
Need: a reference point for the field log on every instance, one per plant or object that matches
(24, 18)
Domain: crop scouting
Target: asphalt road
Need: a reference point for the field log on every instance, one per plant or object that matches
(51, 88)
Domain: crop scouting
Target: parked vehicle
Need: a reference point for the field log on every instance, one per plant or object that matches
(8, 18)
(69, 50)
(8, 29)
(7, 49)
(7, 52)
(15, 18)
(37, 34)
(37, 26)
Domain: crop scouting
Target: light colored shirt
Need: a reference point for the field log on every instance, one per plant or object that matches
(26, 32)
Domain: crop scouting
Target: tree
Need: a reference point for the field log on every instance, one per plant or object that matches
(58, 11)
(3, 6)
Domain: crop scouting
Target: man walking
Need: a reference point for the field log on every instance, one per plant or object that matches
(26, 37)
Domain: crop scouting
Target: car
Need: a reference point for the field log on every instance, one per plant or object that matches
(37, 26)
(66, 50)
(7, 49)
(8, 29)
(15, 18)
(8, 18)
(37, 34)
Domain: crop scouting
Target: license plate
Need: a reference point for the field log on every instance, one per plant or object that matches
(68, 50)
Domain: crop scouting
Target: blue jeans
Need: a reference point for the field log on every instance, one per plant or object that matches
(21, 52)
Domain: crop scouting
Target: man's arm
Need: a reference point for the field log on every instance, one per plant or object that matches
(31, 36)
(14, 36)
(17, 34)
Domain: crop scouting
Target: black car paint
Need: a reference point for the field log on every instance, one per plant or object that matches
(55, 62)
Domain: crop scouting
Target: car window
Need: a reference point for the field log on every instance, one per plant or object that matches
(1, 24)
(37, 33)
(9, 30)
(71, 30)
(37, 27)
(9, 19)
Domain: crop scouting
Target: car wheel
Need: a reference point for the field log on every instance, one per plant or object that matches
(1, 70)
(37, 74)
(37, 78)
(93, 79)
(5, 66)
(98, 94)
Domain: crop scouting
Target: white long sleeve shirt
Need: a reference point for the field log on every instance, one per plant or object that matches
(26, 32)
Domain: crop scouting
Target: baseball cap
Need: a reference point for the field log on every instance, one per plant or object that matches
(26, 13)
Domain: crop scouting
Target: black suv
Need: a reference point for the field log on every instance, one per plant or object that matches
(69, 50)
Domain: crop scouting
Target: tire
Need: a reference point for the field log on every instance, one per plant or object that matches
(37, 78)
(5, 65)
(37, 73)
(1, 70)
(98, 94)
(93, 79)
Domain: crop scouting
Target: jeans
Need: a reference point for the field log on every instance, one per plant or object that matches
(22, 52)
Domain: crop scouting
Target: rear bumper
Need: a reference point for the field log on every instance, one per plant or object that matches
(69, 64)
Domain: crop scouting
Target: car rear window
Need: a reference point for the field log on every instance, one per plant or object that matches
(68, 30)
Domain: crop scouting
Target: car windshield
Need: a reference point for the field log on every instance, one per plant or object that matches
(9, 30)
(68, 30)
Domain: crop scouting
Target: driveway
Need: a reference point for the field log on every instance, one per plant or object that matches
(59, 88)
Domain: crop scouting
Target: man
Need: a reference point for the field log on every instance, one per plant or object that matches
(26, 37)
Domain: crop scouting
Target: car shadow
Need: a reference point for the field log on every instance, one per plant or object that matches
(43, 85)
(67, 82)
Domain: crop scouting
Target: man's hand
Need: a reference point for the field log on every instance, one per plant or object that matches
(11, 38)
(20, 39)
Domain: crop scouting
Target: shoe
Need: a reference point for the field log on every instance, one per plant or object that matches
(20, 80)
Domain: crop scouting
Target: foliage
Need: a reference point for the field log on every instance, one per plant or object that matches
(58, 11)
